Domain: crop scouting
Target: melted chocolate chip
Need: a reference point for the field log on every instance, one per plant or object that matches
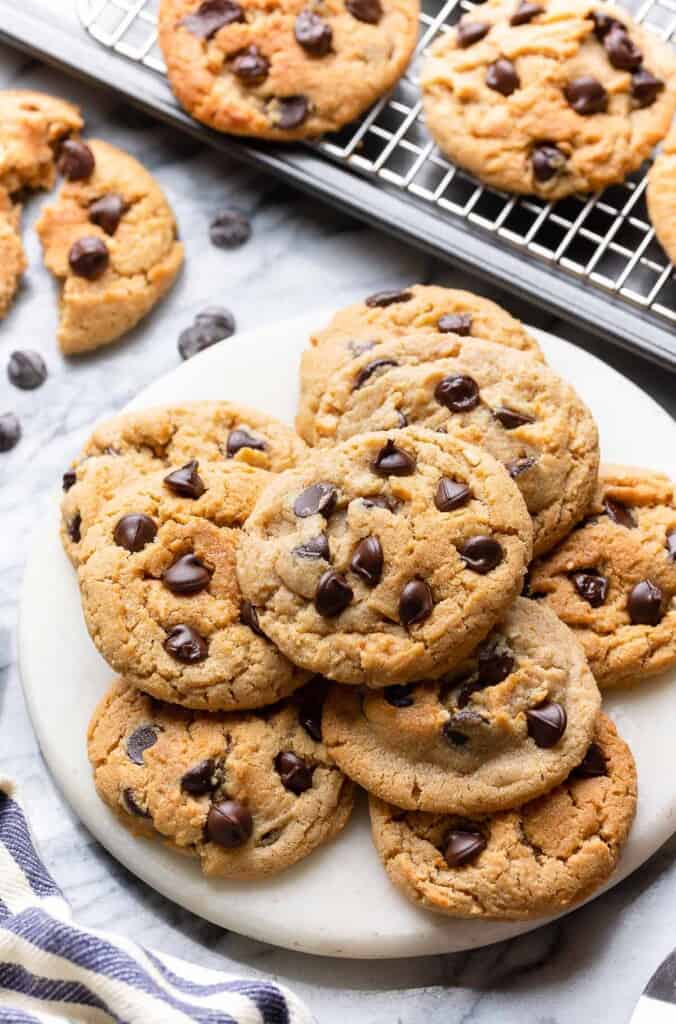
(313, 33)
(10, 431)
(186, 481)
(622, 52)
(399, 696)
(229, 824)
(546, 724)
(471, 32)
(367, 561)
(511, 419)
(241, 438)
(385, 501)
(602, 23)
(139, 741)
(73, 528)
(495, 662)
(645, 88)
(525, 12)
(387, 298)
(671, 545)
(107, 212)
(646, 604)
(132, 805)
(518, 467)
(586, 95)
(69, 479)
(463, 847)
(211, 16)
(591, 586)
(76, 160)
(367, 371)
(315, 547)
(393, 461)
(457, 393)
(454, 736)
(248, 616)
(185, 644)
(455, 323)
(187, 575)
(134, 531)
(415, 602)
(593, 765)
(547, 161)
(619, 513)
(199, 780)
(88, 257)
(501, 76)
(252, 68)
(312, 699)
(333, 594)
(370, 11)
(481, 554)
(319, 498)
(291, 112)
(294, 773)
(26, 370)
(450, 494)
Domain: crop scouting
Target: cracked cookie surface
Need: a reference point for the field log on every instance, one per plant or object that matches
(508, 725)
(418, 309)
(613, 580)
(284, 69)
(550, 98)
(12, 257)
(386, 558)
(160, 595)
(537, 860)
(110, 239)
(247, 794)
(519, 410)
(661, 195)
(32, 125)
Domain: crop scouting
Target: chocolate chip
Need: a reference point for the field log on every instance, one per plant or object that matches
(291, 111)
(251, 67)
(593, 765)
(212, 325)
(185, 644)
(229, 229)
(73, 528)
(602, 23)
(399, 696)
(229, 824)
(315, 547)
(547, 161)
(645, 88)
(69, 479)
(367, 371)
(319, 498)
(294, 773)
(187, 575)
(388, 298)
(502, 77)
(511, 419)
(525, 12)
(381, 501)
(546, 724)
(393, 461)
(248, 616)
(367, 561)
(107, 212)
(313, 33)
(211, 16)
(76, 160)
(518, 467)
(370, 11)
(186, 481)
(26, 370)
(457, 393)
(415, 602)
(463, 847)
(645, 604)
(671, 545)
(586, 95)
(333, 594)
(450, 494)
(241, 438)
(591, 586)
(471, 32)
(619, 513)
(495, 662)
(622, 52)
(481, 554)
(134, 531)
(311, 699)
(455, 323)
(139, 741)
(132, 805)
(199, 779)
(88, 257)
(10, 431)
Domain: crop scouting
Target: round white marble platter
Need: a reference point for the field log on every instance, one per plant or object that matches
(339, 901)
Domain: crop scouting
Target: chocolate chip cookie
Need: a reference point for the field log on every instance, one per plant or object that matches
(540, 859)
(613, 581)
(140, 442)
(285, 69)
(160, 595)
(550, 98)
(247, 794)
(661, 195)
(418, 309)
(110, 239)
(386, 558)
(12, 257)
(32, 128)
(523, 413)
(507, 725)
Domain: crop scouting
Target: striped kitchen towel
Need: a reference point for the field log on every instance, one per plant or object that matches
(52, 970)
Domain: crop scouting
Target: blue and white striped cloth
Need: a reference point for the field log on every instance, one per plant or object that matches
(52, 970)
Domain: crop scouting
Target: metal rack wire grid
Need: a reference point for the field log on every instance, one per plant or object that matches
(605, 239)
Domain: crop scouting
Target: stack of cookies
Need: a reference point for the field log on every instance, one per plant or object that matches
(420, 593)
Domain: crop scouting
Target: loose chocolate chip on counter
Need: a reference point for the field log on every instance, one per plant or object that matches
(139, 741)
(367, 371)
(370, 11)
(646, 604)
(199, 779)
(547, 161)
(645, 88)
(494, 662)
(399, 696)
(212, 325)
(586, 95)
(76, 160)
(450, 494)
(291, 111)
(229, 824)
(185, 644)
(248, 616)
(294, 773)
(367, 561)
(26, 370)
(501, 76)
(315, 547)
(385, 501)
(250, 66)
(186, 481)
(602, 23)
(525, 12)
(229, 229)
(471, 32)
(107, 212)
(393, 461)
(671, 545)
(455, 323)
(593, 765)
(518, 467)
(511, 419)
(546, 724)
(313, 33)
(132, 805)
(211, 16)
(333, 595)
(241, 438)
(457, 393)
(591, 586)
(463, 847)
(88, 257)
(415, 602)
(622, 52)
(388, 298)
(320, 498)
(73, 528)
(481, 554)
(619, 513)
(134, 531)
(187, 575)
(69, 479)
(311, 702)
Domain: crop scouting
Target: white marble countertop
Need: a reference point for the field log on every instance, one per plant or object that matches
(589, 967)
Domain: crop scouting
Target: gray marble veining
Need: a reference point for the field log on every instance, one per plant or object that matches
(589, 967)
